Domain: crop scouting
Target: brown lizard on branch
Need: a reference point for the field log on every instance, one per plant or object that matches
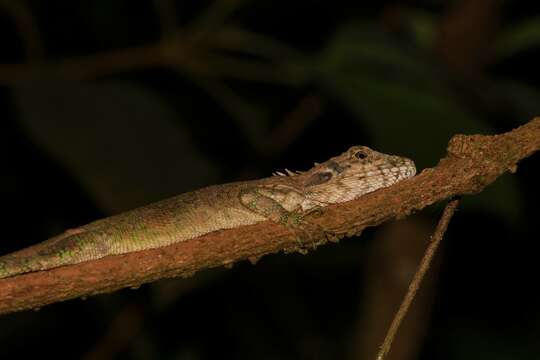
(283, 198)
(472, 163)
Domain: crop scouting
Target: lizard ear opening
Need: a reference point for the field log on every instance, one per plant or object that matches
(318, 178)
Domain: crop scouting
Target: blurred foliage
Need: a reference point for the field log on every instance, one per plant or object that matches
(121, 157)
(518, 38)
(391, 83)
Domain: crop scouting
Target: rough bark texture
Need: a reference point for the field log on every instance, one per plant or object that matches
(472, 163)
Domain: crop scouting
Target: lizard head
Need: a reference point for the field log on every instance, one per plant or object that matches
(356, 172)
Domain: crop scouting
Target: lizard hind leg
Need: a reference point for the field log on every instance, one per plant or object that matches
(307, 229)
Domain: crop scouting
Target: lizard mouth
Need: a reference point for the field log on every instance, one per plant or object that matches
(410, 169)
(402, 168)
(405, 168)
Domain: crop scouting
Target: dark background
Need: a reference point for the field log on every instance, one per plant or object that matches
(110, 104)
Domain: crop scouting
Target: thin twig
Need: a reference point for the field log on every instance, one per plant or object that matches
(24, 20)
(418, 276)
(292, 125)
(237, 39)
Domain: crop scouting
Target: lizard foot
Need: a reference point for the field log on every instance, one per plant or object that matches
(307, 234)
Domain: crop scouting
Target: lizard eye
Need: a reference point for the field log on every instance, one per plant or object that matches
(360, 155)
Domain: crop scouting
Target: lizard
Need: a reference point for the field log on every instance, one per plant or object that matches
(284, 198)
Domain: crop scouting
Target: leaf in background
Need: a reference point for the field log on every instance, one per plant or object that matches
(524, 98)
(398, 95)
(423, 25)
(517, 38)
(124, 144)
(394, 90)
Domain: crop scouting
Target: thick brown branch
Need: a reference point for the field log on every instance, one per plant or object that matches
(472, 163)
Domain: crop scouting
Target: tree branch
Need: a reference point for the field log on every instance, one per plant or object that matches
(472, 163)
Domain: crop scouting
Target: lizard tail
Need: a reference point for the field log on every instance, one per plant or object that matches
(16, 264)
(11, 265)
(57, 251)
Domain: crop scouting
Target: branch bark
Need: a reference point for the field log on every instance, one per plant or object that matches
(472, 163)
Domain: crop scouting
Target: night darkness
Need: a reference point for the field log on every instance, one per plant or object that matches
(107, 105)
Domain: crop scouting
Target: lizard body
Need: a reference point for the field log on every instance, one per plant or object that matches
(283, 198)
